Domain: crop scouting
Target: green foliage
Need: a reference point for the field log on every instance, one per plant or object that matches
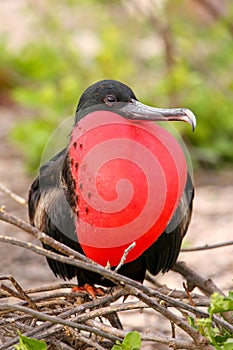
(80, 43)
(132, 341)
(221, 339)
(26, 343)
(220, 304)
(50, 93)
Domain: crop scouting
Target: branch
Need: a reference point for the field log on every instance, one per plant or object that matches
(56, 312)
(111, 275)
(13, 195)
(147, 337)
(195, 335)
(41, 236)
(56, 320)
(207, 286)
(21, 293)
(116, 278)
(207, 247)
(126, 252)
(106, 273)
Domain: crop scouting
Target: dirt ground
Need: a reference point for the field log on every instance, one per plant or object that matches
(212, 223)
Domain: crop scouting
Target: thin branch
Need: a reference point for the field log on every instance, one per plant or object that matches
(126, 252)
(20, 290)
(60, 345)
(146, 337)
(207, 247)
(109, 309)
(47, 329)
(111, 275)
(200, 300)
(59, 312)
(80, 309)
(197, 338)
(56, 320)
(88, 341)
(50, 287)
(208, 287)
(99, 269)
(13, 195)
(41, 236)
(87, 264)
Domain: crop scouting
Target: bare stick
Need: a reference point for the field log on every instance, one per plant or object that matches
(14, 220)
(56, 320)
(147, 296)
(152, 303)
(111, 275)
(126, 252)
(147, 337)
(195, 335)
(13, 195)
(207, 247)
(20, 290)
(86, 340)
(106, 273)
(45, 330)
(207, 286)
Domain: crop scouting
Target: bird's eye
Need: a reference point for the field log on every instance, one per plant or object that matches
(110, 99)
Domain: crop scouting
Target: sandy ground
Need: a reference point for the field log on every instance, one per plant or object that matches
(212, 223)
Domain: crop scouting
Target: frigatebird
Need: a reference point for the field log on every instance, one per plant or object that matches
(69, 200)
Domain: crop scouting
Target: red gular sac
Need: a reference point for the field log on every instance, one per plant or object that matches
(131, 177)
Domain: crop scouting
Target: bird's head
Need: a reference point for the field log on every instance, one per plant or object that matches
(117, 97)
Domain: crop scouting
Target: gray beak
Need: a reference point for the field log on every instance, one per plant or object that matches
(138, 111)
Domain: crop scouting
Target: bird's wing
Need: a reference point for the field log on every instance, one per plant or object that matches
(50, 211)
(162, 255)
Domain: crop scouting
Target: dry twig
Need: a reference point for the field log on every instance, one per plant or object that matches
(65, 324)
(13, 195)
(207, 247)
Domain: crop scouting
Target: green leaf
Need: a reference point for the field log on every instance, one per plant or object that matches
(191, 322)
(221, 338)
(219, 303)
(132, 341)
(26, 343)
(117, 347)
(228, 346)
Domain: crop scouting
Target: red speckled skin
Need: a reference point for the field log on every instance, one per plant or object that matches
(129, 180)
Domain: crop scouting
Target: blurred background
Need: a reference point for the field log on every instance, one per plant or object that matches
(171, 53)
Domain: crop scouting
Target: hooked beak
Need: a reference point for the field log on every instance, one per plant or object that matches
(138, 111)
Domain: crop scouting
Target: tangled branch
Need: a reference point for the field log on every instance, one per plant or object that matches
(71, 320)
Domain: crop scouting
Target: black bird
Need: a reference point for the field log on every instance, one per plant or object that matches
(56, 206)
